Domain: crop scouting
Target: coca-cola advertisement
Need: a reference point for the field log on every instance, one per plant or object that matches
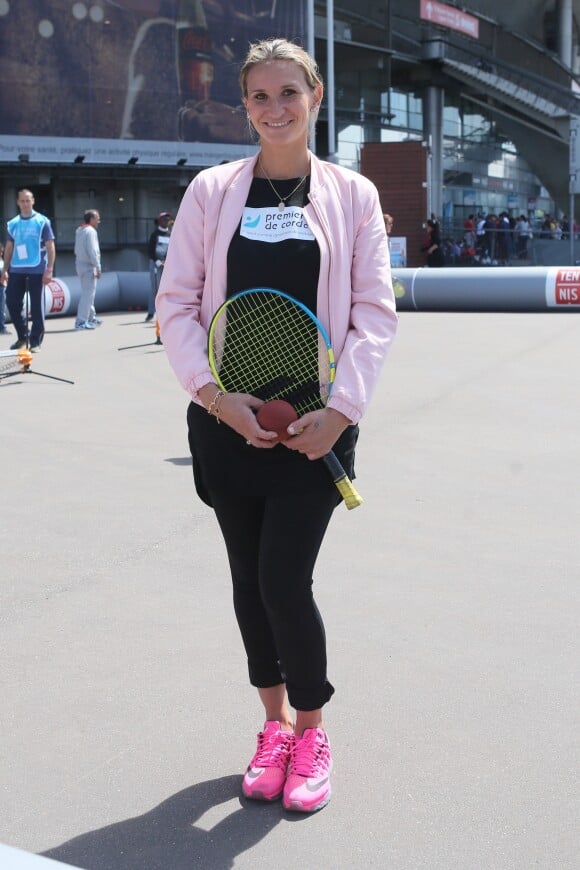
(114, 80)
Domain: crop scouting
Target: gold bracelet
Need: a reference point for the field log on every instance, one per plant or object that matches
(214, 405)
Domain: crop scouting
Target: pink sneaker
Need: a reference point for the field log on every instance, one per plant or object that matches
(266, 772)
(307, 786)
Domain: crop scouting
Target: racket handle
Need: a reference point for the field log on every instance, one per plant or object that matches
(342, 482)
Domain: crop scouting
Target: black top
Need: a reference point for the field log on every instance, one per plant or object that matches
(222, 460)
(291, 265)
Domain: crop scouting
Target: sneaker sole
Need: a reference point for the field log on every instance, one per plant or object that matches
(260, 796)
(298, 807)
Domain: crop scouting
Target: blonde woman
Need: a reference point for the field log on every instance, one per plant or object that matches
(335, 260)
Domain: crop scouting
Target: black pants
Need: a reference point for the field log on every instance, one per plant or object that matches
(272, 544)
(18, 284)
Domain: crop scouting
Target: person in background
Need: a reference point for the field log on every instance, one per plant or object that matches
(451, 250)
(3, 328)
(546, 227)
(157, 251)
(28, 263)
(221, 244)
(389, 221)
(504, 239)
(88, 266)
(431, 246)
(469, 231)
(522, 234)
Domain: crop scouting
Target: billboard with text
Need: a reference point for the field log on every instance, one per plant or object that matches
(147, 81)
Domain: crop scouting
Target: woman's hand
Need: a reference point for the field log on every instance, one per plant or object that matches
(315, 433)
(238, 411)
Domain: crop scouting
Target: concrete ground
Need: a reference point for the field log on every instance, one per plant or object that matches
(451, 602)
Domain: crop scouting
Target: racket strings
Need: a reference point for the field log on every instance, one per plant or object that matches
(268, 346)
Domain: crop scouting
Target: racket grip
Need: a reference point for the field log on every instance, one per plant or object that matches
(342, 482)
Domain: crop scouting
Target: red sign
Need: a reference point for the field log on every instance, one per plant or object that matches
(449, 16)
(567, 287)
(56, 297)
(57, 294)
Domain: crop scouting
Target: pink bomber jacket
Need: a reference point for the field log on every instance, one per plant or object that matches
(355, 293)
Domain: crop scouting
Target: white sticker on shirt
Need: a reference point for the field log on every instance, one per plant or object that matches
(22, 252)
(271, 225)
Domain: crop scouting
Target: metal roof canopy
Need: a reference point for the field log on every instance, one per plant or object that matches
(548, 101)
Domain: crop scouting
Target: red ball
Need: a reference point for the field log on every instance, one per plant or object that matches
(276, 416)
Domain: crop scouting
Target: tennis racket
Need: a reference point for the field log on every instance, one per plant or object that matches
(265, 343)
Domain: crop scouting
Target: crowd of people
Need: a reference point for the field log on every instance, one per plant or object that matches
(27, 262)
(494, 240)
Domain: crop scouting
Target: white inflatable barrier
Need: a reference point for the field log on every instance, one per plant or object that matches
(116, 291)
(476, 288)
(494, 288)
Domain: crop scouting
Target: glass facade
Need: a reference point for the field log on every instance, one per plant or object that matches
(380, 85)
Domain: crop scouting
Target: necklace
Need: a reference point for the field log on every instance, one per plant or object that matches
(282, 203)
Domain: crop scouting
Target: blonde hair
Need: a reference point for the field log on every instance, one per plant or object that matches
(279, 49)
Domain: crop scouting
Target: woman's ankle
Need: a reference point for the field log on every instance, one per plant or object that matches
(306, 719)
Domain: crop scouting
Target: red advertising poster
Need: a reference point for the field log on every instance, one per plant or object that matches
(147, 79)
(563, 287)
(449, 16)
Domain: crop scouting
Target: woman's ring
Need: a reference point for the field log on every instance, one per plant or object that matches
(248, 443)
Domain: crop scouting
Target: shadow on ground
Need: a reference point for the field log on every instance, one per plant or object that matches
(168, 837)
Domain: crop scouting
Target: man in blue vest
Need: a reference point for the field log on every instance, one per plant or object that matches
(28, 264)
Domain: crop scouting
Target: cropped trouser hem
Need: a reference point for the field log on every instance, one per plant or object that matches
(299, 698)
